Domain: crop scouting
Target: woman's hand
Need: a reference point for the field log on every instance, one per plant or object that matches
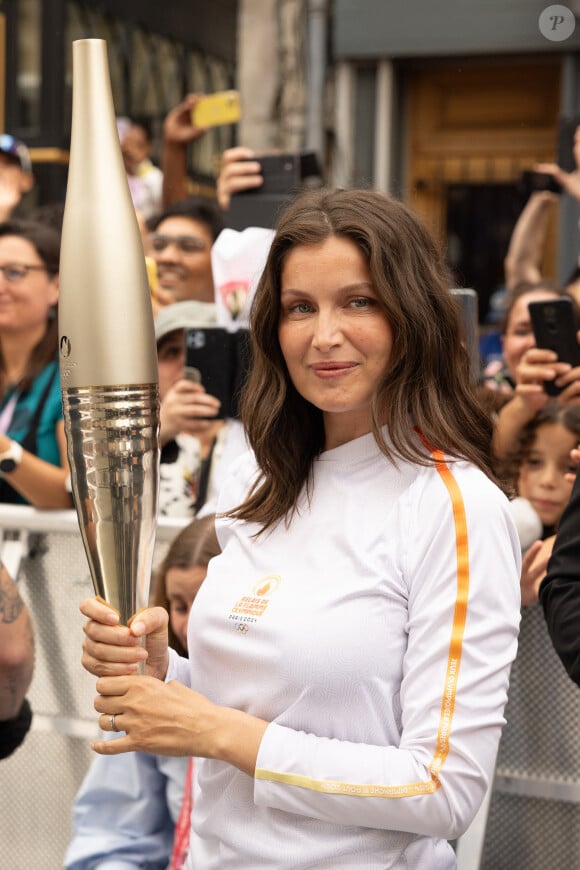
(178, 126)
(238, 171)
(187, 408)
(536, 366)
(171, 719)
(534, 566)
(160, 718)
(570, 181)
(112, 649)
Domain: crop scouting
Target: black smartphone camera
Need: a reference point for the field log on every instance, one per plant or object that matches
(533, 182)
(469, 317)
(261, 206)
(222, 361)
(555, 324)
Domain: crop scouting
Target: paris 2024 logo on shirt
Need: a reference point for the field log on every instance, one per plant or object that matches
(249, 608)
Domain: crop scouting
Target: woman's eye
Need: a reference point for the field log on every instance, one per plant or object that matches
(361, 302)
(300, 308)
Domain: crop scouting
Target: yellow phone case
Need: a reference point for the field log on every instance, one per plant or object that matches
(216, 109)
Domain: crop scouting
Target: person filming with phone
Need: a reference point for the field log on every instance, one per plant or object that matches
(197, 442)
(548, 369)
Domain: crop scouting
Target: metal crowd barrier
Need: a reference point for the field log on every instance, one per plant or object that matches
(44, 551)
(531, 817)
(534, 813)
(530, 820)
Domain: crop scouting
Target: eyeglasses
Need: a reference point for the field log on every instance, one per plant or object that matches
(520, 332)
(186, 244)
(16, 272)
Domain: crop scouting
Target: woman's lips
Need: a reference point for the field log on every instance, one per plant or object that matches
(332, 369)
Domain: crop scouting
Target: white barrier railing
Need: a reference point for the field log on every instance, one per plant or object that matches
(531, 819)
(43, 550)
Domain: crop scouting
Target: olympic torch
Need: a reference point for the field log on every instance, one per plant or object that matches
(108, 359)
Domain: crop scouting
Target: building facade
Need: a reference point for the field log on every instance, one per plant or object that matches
(446, 104)
(157, 54)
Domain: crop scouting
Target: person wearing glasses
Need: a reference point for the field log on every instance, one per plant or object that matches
(33, 461)
(180, 242)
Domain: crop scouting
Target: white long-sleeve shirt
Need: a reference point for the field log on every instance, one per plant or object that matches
(375, 634)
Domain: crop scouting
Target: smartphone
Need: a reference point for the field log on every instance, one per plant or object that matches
(221, 361)
(554, 324)
(533, 182)
(217, 109)
(261, 206)
(469, 316)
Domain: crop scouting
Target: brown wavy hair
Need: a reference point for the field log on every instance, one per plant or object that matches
(552, 413)
(193, 547)
(426, 382)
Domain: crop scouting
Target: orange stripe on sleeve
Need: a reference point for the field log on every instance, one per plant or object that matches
(451, 675)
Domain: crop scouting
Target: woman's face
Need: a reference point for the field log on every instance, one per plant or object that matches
(519, 336)
(333, 333)
(542, 478)
(24, 301)
(181, 586)
(170, 360)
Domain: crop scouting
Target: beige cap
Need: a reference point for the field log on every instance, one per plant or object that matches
(184, 315)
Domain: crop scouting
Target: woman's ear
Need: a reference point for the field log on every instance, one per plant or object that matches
(26, 182)
(54, 290)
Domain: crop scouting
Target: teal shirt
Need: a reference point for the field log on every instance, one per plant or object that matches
(37, 436)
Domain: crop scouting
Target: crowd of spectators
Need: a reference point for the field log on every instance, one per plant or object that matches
(533, 453)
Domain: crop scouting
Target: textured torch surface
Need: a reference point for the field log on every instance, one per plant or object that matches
(112, 441)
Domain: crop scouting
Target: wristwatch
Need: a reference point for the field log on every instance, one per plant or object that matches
(10, 458)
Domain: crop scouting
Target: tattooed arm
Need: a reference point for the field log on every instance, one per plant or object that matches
(16, 648)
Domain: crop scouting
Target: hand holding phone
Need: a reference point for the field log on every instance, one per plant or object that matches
(554, 324)
(192, 374)
(260, 206)
(534, 181)
(222, 359)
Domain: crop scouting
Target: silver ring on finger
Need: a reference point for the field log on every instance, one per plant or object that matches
(112, 722)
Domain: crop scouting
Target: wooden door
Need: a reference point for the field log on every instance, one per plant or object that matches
(479, 123)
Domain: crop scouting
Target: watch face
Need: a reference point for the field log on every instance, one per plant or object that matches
(7, 465)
